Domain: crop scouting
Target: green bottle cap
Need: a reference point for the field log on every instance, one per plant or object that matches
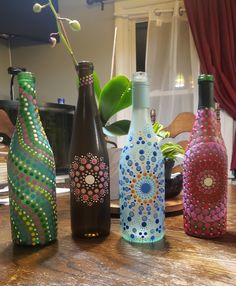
(205, 77)
(206, 91)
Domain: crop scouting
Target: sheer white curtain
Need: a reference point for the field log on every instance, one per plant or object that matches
(171, 58)
(172, 64)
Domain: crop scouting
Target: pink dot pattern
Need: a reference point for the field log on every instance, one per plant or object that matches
(89, 176)
(86, 80)
(205, 179)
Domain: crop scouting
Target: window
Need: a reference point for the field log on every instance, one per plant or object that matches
(154, 35)
(141, 39)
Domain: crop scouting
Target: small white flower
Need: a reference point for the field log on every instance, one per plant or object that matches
(37, 8)
(74, 25)
(53, 41)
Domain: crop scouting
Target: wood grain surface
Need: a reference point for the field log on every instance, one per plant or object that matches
(177, 260)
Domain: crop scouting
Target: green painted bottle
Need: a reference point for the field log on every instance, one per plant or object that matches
(31, 173)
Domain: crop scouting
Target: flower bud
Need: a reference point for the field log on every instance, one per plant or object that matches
(74, 25)
(37, 8)
(52, 41)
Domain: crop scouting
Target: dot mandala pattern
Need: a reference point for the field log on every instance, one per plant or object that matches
(89, 179)
(31, 176)
(207, 182)
(142, 189)
(205, 179)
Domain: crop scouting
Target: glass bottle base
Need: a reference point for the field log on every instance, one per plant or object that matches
(25, 244)
(206, 236)
(143, 240)
(90, 235)
(204, 228)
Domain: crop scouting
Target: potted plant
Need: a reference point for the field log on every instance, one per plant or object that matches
(112, 98)
(116, 94)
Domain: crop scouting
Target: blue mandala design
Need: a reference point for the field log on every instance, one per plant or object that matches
(142, 189)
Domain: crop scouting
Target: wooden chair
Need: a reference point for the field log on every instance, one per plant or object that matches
(182, 123)
(6, 128)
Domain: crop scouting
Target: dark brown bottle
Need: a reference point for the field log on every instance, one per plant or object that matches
(89, 170)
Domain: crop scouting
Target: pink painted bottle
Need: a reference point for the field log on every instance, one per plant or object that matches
(205, 170)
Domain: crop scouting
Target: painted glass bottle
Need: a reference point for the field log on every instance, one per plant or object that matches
(89, 171)
(31, 173)
(142, 184)
(205, 170)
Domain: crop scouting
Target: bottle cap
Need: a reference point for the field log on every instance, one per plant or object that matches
(140, 77)
(205, 77)
(206, 91)
(85, 65)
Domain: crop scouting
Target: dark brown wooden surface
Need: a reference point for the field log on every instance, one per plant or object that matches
(177, 260)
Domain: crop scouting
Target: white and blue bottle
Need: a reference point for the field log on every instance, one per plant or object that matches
(141, 179)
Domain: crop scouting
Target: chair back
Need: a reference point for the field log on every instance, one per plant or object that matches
(182, 123)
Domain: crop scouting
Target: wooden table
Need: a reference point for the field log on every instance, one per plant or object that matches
(177, 260)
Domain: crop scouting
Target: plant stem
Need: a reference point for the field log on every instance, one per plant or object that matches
(110, 142)
(62, 33)
(68, 42)
(63, 19)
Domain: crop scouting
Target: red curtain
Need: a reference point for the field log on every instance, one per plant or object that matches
(213, 26)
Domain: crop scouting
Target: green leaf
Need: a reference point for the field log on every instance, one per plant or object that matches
(117, 128)
(171, 150)
(126, 99)
(97, 87)
(115, 96)
(158, 129)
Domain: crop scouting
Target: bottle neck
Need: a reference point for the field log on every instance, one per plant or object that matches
(206, 95)
(27, 97)
(87, 135)
(206, 128)
(140, 118)
(85, 82)
(140, 112)
(85, 75)
(28, 115)
(140, 95)
(86, 94)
